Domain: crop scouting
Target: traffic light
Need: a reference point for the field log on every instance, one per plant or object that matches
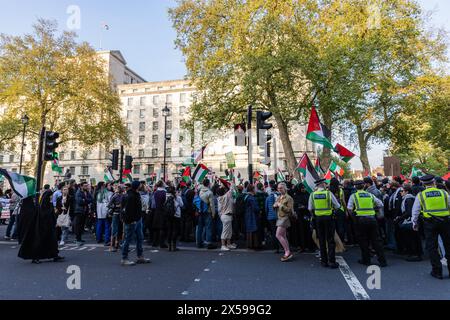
(261, 125)
(128, 162)
(50, 145)
(115, 159)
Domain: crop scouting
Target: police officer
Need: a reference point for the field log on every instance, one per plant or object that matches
(363, 204)
(434, 205)
(321, 203)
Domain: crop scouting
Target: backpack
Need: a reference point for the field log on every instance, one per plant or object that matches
(169, 207)
(240, 205)
(201, 205)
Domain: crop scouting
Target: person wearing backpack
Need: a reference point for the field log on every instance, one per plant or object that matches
(207, 212)
(172, 210)
(132, 218)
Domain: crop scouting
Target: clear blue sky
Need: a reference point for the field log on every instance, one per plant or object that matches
(142, 31)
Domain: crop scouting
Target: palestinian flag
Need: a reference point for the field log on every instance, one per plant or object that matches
(108, 175)
(186, 176)
(23, 186)
(317, 132)
(280, 176)
(328, 176)
(345, 154)
(200, 173)
(127, 175)
(55, 164)
(294, 181)
(310, 175)
(198, 156)
(225, 182)
(318, 167)
(416, 172)
(336, 169)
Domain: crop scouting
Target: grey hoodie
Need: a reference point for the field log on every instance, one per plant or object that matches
(207, 196)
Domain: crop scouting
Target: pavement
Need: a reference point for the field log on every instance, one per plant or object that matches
(193, 274)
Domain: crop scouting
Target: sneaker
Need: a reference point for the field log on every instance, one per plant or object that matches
(225, 248)
(286, 259)
(436, 275)
(127, 263)
(142, 260)
(232, 246)
(7, 238)
(62, 243)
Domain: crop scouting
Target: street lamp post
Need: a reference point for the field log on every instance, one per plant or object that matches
(25, 121)
(166, 113)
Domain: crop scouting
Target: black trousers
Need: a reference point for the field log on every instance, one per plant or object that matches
(187, 226)
(78, 225)
(367, 230)
(433, 228)
(173, 229)
(326, 229)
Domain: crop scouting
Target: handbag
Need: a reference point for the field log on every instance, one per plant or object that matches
(63, 221)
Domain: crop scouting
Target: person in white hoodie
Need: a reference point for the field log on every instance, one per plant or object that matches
(103, 196)
(174, 218)
(226, 209)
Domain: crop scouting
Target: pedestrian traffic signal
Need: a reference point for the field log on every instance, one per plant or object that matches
(115, 159)
(262, 126)
(50, 145)
(128, 162)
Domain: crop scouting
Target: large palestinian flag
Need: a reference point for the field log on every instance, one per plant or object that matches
(310, 176)
(23, 186)
(200, 173)
(345, 154)
(317, 132)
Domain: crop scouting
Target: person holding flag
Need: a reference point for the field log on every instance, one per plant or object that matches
(321, 204)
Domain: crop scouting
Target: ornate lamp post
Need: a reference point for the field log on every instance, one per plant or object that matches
(25, 121)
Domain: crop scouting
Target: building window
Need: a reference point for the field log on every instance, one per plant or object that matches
(142, 126)
(129, 126)
(11, 158)
(72, 170)
(129, 114)
(169, 98)
(137, 169)
(14, 170)
(169, 152)
(155, 125)
(84, 170)
(160, 88)
(141, 139)
(130, 102)
(180, 138)
(150, 169)
(141, 153)
(169, 125)
(173, 87)
(155, 100)
(182, 97)
(155, 139)
(155, 113)
(181, 154)
(154, 153)
(1, 159)
(182, 110)
(182, 123)
(61, 155)
(148, 89)
(72, 155)
(142, 101)
(141, 113)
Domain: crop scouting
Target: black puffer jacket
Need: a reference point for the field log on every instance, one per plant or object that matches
(132, 207)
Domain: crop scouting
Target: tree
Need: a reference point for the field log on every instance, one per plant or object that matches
(60, 85)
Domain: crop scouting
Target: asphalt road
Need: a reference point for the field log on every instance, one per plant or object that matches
(211, 275)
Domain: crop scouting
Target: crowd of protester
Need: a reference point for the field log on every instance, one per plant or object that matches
(259, 216)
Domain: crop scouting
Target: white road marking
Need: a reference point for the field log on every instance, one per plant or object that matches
(64, 248)
(92, 249)
(355, 286)
(185, 293)
(207, 270)
(197, 280)
(82, 248)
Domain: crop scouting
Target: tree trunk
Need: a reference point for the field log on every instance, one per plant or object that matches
(287, 145)
(363, 149)
(326, 156)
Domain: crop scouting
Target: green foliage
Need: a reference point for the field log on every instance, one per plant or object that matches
(59, 84)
